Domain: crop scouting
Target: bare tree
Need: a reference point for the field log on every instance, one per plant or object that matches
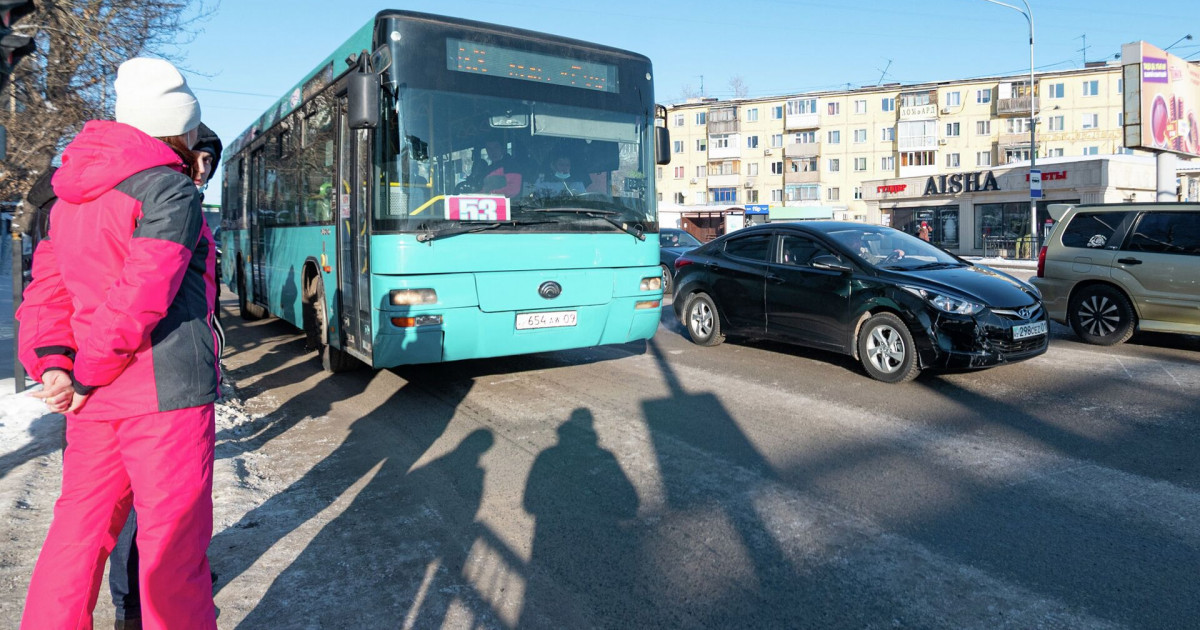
(687, 92)
(738, 86)
(67, 81)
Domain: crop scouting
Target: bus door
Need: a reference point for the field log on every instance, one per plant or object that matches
(258, 244)
(353, 234)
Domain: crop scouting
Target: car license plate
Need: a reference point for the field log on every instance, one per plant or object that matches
(553, 319)
(1031, 329)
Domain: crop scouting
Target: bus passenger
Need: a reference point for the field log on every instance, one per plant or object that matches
(500, 176)
(561, 180)
(116, 326)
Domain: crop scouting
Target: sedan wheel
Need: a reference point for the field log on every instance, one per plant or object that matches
(702, 320)
(886, 349)
(666, 280)
(1102, 315)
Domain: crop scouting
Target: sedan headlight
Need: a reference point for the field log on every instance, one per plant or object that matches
(946, 303)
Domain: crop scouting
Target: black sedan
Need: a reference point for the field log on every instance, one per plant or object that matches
(672, 244)
(891, 300)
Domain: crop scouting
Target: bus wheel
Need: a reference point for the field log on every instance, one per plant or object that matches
(332, 359)
(248, 311)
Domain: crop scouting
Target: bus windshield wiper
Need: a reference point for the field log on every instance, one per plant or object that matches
(468, 228)
(634, 230)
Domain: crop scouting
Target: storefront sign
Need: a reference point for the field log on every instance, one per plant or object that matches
(918, 111)
(894, 188)
(960, 182)
(1050, 175)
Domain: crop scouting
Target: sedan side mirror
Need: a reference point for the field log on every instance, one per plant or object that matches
(829, 262)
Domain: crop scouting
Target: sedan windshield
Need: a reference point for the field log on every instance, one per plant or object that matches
(886, 248)
(535, 166)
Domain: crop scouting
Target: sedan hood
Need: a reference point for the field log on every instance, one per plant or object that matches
(980, 284)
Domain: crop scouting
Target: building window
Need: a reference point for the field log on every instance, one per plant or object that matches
(751, 196)
(889, 104)
(833, 109)
(699, 197)
(834, 194)
(917, 158)
(1120, 119)
(777, 140)
(799, 106)
(678, 120)
(1120, 86)
(1091, 121)
(659, 197)
(806, 137)
(1055, 90)
(914, 99)
(728, 167)
(701, 172)
(1091, 150)
(702, 144)
(658, 173)
(952, 129)
(860, 135)
(983, 158)
(983, 127)
(889, 134)
(983, 97)
(1017, 154)
(679, 198)
(835, 137)
(806, 165)
(1018, 125)
(1056, 123)
(678, 172)
(777, 112)
(723, 195)
(835, 165)
(721, 141)
(942, 221)
(887, 163)
(1055, 152)
(701, 118)
(953, 99)
(777, 194)
(804, 192)
(751, 142)
(777, 168)
(860, 164)
(952, 160)
(752, 169)
(858, 192)
(1091, 88)
(678, 145)
(860, 106)
(752, 114)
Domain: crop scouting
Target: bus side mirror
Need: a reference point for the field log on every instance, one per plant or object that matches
(662, 146)
(363, 100)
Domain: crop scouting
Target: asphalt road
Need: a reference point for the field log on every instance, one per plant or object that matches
(750, 485)
(747, 485)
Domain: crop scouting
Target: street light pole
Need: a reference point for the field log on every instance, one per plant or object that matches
(1033, 228)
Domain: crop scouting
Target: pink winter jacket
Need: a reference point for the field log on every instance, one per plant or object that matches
(124, 287)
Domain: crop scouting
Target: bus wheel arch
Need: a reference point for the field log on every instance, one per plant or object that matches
(316, 311)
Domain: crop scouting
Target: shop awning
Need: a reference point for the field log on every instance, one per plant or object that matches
(800, 213)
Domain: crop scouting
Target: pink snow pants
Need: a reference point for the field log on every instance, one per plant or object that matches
(163, 464)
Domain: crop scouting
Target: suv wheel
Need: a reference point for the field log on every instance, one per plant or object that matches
(1102, 315)
(702, 320)
(886, 349)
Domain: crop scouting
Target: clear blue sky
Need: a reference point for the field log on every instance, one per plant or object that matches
(251, 51)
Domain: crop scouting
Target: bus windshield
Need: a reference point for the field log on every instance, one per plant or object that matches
(554, 167)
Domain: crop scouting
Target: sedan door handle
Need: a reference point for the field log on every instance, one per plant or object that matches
(1129, 261)
(774, 278)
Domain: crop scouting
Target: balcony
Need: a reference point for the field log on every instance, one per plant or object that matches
(723, 181)
(802, 150)
(802, 177)
(917, 143)
(1020, 139)
(1018, 106)
(795, 122)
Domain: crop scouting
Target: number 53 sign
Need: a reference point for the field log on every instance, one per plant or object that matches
(477, 208)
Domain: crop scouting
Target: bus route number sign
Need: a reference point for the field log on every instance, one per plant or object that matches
(477, 208)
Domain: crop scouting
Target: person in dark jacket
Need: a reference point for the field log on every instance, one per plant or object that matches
(116, 325)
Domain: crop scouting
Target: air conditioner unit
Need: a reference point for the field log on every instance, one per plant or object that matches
(945, 110)
(748, 184)
(941, 141)
(692, 181)
(767, 152)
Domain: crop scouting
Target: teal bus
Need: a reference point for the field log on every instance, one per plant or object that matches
(442, 189)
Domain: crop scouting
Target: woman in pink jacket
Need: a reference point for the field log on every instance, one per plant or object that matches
(116, 324)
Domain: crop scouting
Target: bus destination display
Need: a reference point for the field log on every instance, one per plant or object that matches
(489, 59)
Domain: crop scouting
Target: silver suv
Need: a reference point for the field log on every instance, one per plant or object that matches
(1108, 270)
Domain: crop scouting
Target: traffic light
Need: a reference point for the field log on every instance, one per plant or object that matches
(12, 45)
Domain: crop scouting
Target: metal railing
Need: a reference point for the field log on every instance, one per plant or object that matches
(1007, 247)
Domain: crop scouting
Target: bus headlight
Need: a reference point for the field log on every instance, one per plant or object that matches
(652, 284)
(412, 297)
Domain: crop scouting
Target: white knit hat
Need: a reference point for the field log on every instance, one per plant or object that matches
(154, 97)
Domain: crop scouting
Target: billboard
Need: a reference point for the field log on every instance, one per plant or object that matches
(1162, 100)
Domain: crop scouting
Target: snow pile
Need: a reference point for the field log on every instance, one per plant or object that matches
(18, 415)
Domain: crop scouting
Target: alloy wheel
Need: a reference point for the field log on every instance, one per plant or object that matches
(701, 319)
(885, 349)
(1098, 315)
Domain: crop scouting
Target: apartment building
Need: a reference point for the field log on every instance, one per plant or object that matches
(822, 150)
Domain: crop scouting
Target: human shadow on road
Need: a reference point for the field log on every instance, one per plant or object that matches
(585, 539)
(46, 432)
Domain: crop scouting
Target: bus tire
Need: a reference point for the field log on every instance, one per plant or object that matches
(332, 359)
(246, 310)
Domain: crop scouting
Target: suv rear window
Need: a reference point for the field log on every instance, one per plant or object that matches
(1093, 230)
(1167, 233)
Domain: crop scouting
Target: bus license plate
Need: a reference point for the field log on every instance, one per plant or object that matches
(554, 319)
(1032, 329)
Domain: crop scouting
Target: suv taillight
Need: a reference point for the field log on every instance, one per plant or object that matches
(1041, 269)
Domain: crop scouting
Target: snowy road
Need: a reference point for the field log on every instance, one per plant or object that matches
(668, 485)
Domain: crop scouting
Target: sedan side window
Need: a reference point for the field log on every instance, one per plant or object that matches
(799, 251)
(753, 247)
